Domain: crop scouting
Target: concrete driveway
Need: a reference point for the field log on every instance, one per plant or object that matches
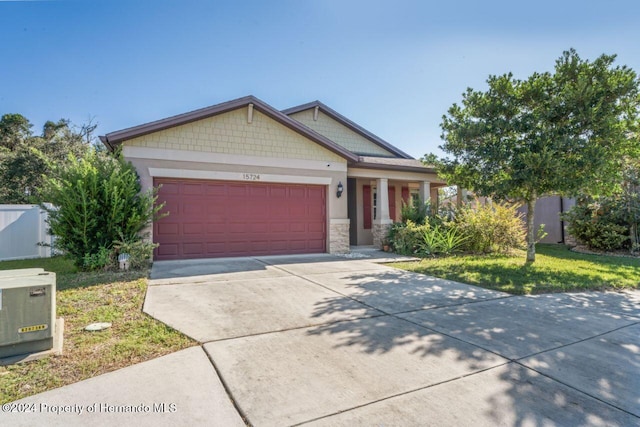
(323, 340)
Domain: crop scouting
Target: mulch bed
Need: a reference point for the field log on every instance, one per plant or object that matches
(585, 250)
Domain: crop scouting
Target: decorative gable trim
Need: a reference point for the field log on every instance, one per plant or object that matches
(113, 139)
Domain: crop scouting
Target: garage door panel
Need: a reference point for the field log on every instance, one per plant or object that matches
(298, 244)
(191, 189)
(298, 211)
(298, 227)
(238, 247)
(167, 249)
(169, 229)
(260, 246)
(217, 218)
(171, 205)
(237, 228)
(316, 228)
(278, 227)
(316, 245)
(193, 248)
(278, 211)
(216, 189)
(192, 229)
(258, 227)
(237, 190)
(278, 191)
(316, 192)
(279, 245)
(214, 229)
(257, 191)
(298, 193)
(193, 207)
(170, 188)
(216, 248)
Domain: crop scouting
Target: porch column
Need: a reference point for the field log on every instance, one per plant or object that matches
(382, 222)
(435, 199)
(383, 200)
(425, 191)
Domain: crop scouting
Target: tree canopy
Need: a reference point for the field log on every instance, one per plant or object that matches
(554, 133)
(25, 158)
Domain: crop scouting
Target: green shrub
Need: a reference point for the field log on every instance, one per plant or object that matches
(140, 252)
(492, 227)
(405, 237)
(447, 239)
(97, 201)
(415, 211)
(426, 239)
(101, 260)
(440, 240)
(598, 224)
(496, 227)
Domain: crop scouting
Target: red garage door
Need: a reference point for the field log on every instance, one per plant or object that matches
(219, 218)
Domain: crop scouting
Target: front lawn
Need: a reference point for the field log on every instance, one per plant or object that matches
(556, 269)
(84, 298)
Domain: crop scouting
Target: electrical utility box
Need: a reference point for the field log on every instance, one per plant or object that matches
(27, 311)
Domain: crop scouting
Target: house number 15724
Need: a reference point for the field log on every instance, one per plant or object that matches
(251, 176)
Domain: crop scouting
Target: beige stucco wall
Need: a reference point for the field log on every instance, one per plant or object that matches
(339, 133)
(229, 133)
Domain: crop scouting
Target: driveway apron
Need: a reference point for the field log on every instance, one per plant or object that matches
(326, 340)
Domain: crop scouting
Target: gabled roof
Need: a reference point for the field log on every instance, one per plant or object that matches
(113, 139)
(349, 124)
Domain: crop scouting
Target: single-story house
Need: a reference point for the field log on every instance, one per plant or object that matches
(242, 178)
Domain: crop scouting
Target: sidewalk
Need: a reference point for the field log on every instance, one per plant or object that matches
(180, 389)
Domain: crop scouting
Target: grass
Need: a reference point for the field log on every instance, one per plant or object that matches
(556, 269)
(84, 298)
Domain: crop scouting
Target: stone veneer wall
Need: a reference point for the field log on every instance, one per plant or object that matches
(380, 232)
(338, 238)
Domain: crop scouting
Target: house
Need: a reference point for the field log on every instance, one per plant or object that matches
(242, 178)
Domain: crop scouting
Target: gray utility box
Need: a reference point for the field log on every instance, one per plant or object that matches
(27, 311)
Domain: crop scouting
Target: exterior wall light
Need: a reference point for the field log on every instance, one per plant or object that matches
(340, 189)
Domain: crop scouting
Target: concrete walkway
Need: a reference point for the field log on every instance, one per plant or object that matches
(324, 340)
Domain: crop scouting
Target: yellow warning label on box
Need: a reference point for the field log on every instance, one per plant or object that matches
(33, 328)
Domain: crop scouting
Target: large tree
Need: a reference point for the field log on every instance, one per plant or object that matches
(553, 133)
(25, 158)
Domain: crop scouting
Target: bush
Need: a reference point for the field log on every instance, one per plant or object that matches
(598, 224)
(97, 201)
(496, 227)
(441, 240)
(415, 211)
(140, 252)
(101, 260)
(492, 227)
(405, 237)
(412, 239)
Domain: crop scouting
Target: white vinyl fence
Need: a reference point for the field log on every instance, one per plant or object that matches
(22, 228)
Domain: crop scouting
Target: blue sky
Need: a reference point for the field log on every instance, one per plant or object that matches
(394, 67)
